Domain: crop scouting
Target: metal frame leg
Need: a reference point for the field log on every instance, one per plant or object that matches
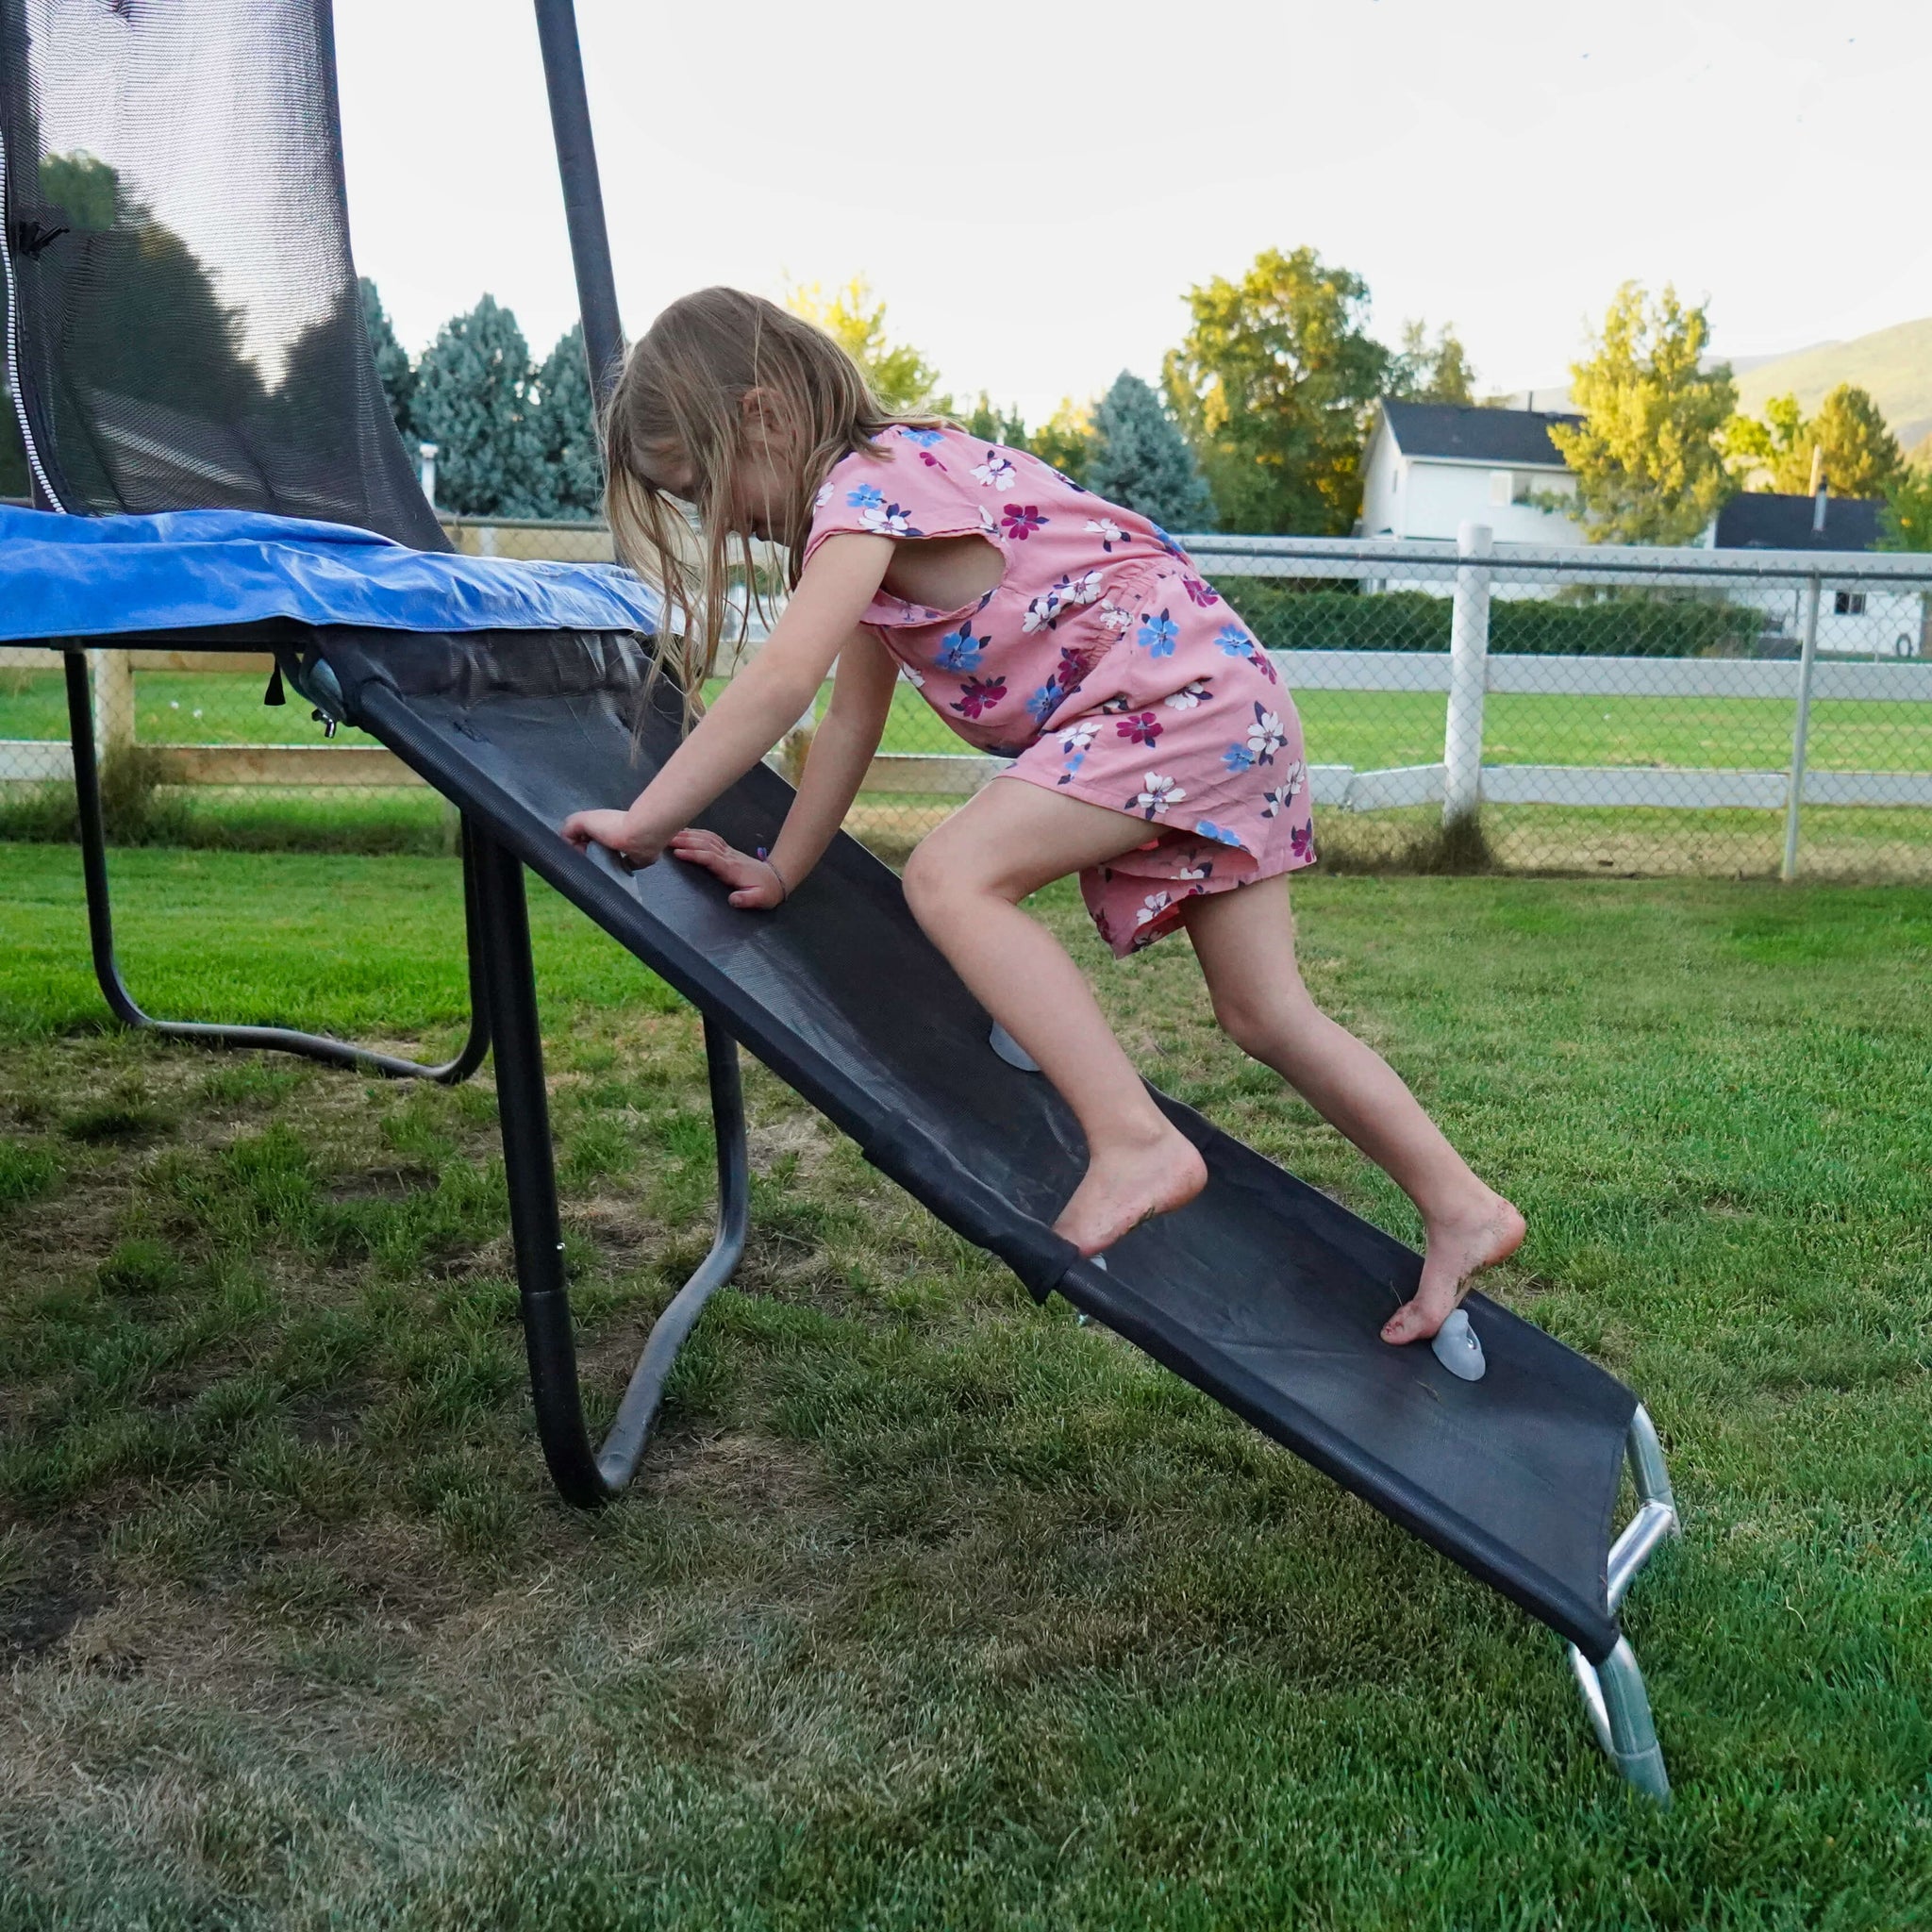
(584, 1475)
(315, 1046)
(1613, 1693)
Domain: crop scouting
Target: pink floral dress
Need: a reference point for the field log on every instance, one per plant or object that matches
(1102, 660)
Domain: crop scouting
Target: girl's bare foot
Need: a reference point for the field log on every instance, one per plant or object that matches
(1129, 1182)
(1485, 1231)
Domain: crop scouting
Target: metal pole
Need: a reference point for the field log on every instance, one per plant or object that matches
(1469, 649)
(583, 198)
(1801, 728)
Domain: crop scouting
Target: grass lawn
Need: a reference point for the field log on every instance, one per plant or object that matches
(930, 1608)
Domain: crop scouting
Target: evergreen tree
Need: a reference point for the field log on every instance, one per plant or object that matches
(1861, 454)
(393, 368)
(471, 400)
(991, 424)
(1140, 460)
(1907, 518)
(1425, 372)
(565, 419)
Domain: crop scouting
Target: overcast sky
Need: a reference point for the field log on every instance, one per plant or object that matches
(1031, 188)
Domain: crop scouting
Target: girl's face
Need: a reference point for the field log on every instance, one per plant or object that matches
(762, 484)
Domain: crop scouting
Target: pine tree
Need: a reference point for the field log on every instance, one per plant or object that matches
(566, 425)
(1140, 460)
(472, 401)
(393, 368)
(991, 423)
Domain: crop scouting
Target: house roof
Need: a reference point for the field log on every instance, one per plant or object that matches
(1503, 438)
(1760, 520)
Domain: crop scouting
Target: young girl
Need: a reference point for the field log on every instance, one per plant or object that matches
(1157, 754)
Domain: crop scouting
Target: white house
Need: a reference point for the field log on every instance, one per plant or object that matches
(1854, 620)
(1432, 466)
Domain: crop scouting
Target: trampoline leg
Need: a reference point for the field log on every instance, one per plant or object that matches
(100, 922)
(1619, 1708)
(584, 1475)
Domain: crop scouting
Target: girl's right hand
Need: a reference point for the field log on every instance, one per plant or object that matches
(755, 887)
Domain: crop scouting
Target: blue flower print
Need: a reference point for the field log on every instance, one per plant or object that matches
(959, 650)
(1234, 640)
(1237, 758)
(925, 439)
(1221, 835)
(1045, 701)
(867, 496)
(1158, 635)
(1167, 542)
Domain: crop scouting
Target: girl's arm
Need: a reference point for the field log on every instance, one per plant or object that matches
(756, 710)
(841, 754)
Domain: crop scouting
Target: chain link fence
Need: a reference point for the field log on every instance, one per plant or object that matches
(1618, 711)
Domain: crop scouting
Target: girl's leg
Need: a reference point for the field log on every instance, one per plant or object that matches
(1245, 943)
(964, 884)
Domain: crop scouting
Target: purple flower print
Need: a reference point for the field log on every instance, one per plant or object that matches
(1158, 635)
(1259, 660)
(931, 461)
(1300, 842)
(1203, 595)
(959, 650)
(1020, 520)
(979, 695)
(1155, 795)
(867, 496)
(1073, 667)
(1144, 728)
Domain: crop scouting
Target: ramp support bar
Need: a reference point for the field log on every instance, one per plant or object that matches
(583, 1474)
(1613, 1693)
(100, 924)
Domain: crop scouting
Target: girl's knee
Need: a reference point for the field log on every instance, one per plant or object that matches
(1262, 1023)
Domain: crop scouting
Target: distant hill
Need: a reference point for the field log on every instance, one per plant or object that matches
(1892, 365)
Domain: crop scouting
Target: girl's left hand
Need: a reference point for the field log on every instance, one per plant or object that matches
(613, 831)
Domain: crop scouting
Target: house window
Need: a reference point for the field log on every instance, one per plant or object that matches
(1849, 603)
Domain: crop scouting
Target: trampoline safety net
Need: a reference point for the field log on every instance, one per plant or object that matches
(184, 313)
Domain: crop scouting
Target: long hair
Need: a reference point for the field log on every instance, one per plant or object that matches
(681, 397)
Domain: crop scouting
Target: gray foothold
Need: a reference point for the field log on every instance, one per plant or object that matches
(1010, 1050)
(1458, 1349)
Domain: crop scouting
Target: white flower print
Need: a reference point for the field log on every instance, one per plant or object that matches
(1157, 791)
(1039, 615)
(1083, 588)
(1191, 871)
(823, 497)
(1186, 700)
(1115, 616)
(888, 519)
(987, 522)
(1076, 738)
(997, 472)
(915, 678)
(1154, 905)
(1106, 530)
(1265, 737)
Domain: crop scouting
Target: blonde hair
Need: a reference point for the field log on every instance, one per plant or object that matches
(681, 395)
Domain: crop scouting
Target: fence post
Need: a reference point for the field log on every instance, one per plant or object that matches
(113, 675)
(425, 454)
(1801, 728)
(1469, 652)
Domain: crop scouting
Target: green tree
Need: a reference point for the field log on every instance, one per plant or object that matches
(472, 401)
(1646, 457)
(992, 424)
(1065, 440)
(393, 368)
(1141, 459)
(1425, 372)
(566, 422)
(1905, 521)
(1272, 385)
(1861, 457)
(900, 377)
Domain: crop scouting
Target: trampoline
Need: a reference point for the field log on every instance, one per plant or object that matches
(523, 694)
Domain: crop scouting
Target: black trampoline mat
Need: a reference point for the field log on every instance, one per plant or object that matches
(1263, 1292)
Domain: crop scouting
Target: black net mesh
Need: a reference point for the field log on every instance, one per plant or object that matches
(188, 327)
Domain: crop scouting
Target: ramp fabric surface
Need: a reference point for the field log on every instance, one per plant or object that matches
(1263, 1292)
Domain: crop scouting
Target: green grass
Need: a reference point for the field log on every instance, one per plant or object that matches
(931, 1608)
